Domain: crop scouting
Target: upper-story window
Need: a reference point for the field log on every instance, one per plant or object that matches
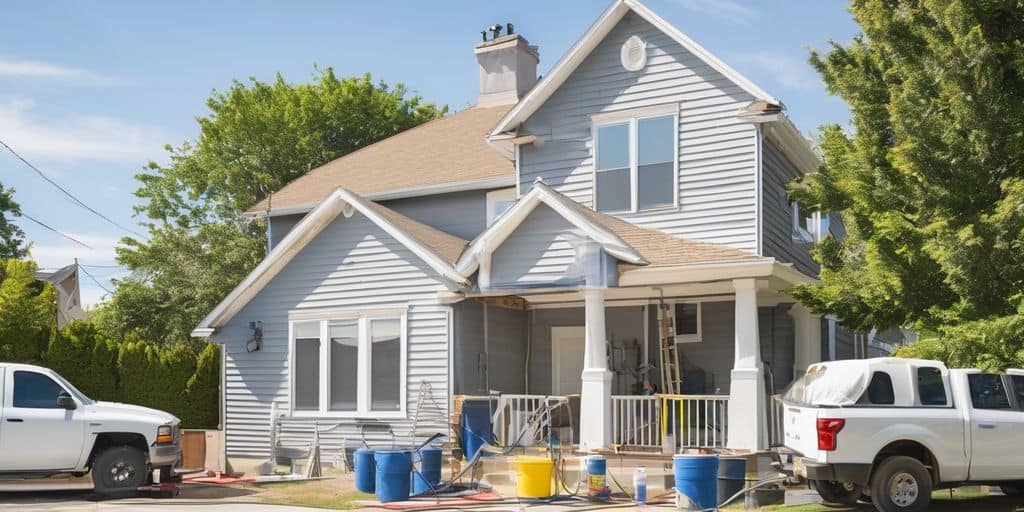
(809, 228)
(498, 201)
(635, 161)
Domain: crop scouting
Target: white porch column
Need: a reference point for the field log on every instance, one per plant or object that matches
(596, 394)
(807, 339)
(747, 407)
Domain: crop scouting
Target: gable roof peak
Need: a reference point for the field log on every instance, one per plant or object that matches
(591, 38)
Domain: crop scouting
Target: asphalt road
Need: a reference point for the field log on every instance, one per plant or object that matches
(77, 495)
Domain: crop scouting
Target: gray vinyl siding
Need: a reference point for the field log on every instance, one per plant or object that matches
(463, 214)
(281, 225)
(351, 265)
(778, 242)
(544, 249)
(502, 346)
(717, 152)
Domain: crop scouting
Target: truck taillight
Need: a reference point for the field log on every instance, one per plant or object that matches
(828, 430)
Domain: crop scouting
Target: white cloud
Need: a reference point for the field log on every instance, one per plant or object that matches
(34, 69)
(789, 71)
(77, 138)
(729, 10)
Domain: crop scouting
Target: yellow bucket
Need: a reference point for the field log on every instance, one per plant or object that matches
(533, 476)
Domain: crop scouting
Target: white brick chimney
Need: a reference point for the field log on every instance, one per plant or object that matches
(508, 68)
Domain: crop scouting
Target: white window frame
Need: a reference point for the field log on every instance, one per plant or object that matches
(364, 381)
(631, 117)
(689, 338)
(814, 232)
(505, 194)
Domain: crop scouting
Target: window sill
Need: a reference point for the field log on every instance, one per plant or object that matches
(350, 415)
(655, 209)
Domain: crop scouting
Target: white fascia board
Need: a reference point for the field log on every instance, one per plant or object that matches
(697, 272)
(308, 228)
(404, 193)
(794, 145)
(488, 241)
(591, 38)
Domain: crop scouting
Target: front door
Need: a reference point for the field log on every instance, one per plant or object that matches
(567, 359)
(37, 434)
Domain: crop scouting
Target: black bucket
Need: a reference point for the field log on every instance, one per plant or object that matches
(732, 475)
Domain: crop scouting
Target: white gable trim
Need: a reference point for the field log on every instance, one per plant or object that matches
(340, 201)
(591, 38)
(479, 252)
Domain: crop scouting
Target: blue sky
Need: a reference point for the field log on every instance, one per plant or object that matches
(92, 90)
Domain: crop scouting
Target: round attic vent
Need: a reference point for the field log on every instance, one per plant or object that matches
(634, 53)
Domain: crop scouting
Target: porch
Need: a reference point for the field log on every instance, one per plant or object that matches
(651, 424)
(532, 348)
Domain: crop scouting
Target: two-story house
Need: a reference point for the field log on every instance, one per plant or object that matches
(546, 241)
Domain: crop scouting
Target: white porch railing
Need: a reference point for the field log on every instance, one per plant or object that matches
(513, 413)
(672, 422)
(635, 421)
(776, 432)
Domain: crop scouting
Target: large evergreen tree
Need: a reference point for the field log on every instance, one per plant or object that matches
(929, 179)
(257, 137)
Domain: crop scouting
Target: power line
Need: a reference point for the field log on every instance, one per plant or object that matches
(101, 266)
(95, 280)
(67, 192)
(55, 230)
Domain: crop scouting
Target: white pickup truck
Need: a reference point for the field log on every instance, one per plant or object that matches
(891, 430)
(49, 428)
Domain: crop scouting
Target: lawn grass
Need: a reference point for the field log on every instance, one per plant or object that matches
(328, 494)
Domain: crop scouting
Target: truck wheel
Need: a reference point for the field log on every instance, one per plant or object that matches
(838, 493)
(118, 470)
(901, 484)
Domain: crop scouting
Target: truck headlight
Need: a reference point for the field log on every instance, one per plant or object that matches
(164, 435)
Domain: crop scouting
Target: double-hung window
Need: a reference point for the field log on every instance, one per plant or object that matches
(635, 160)
(349, 365)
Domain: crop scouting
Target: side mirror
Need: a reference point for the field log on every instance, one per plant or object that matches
(65, 401)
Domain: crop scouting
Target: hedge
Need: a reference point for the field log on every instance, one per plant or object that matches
(179, 379)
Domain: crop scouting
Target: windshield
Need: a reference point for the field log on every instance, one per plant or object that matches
(73, 390)
(835, 385)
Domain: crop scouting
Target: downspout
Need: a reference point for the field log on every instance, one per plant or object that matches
(529, 348)
(759, 189)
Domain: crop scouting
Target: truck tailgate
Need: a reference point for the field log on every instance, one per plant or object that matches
(800, 425)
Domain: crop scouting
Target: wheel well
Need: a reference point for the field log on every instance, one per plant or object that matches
(912, 449)
(112, 439)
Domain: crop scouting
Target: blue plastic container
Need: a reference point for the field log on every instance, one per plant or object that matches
(476, 426)
(427, 474)
(365, 470)
(696, 481)
(732, 477)
(392, 482)
(597, 479)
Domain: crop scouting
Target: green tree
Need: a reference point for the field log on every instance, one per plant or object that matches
(11, 236)
(257, 137)
(27, 312)
(930, 182)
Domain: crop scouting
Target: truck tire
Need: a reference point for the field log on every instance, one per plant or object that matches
(119, 470)
(838, 493)
(901, 484)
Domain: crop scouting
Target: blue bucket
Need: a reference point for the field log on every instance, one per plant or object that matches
(696, 481)
(476, 426)
(732, 477)
(427, 474)
(597, 480)
(393, 467)
(365, 470)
